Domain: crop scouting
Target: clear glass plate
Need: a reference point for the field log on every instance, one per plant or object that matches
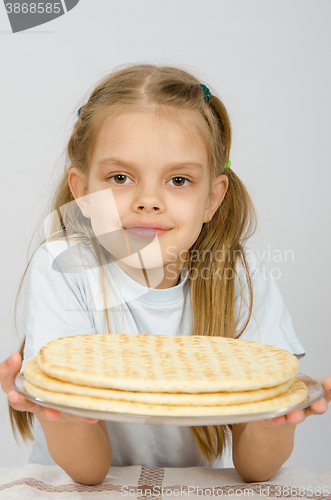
(315, 392)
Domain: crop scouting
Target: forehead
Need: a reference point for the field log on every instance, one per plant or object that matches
(151, 132)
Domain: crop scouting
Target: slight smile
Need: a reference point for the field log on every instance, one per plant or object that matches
(144, 231)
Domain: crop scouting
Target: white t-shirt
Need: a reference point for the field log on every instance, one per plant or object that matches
(62, 296)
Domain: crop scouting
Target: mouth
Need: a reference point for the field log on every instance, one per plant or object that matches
(145, 232)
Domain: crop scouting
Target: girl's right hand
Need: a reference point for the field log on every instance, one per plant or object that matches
(9, 370)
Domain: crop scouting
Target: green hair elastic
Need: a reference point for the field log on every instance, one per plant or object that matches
(228, 164)
(206, 92)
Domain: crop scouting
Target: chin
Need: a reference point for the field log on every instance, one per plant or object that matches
(144, 261)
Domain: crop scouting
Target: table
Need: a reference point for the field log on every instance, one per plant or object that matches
(35, 481)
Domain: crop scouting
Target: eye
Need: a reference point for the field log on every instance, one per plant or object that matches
(179, 180)
(119, 178)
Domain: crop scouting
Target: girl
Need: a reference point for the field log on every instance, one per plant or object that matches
(147, 235)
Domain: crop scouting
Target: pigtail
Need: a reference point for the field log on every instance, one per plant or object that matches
(212, 263)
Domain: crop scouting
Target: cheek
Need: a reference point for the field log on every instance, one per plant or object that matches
(191, 214)
(103, 211)
(122, 204)
(190, 225)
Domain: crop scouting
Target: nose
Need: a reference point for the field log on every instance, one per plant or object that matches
(149, 199)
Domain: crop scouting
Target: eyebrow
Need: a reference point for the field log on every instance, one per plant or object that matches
(128, 164)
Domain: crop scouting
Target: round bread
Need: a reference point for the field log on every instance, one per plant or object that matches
(37, 378)
(296, 394)
(158, 363)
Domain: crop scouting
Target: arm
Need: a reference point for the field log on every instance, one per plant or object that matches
(82, 450)
(80, 446)
(54, 304)
(260, 448)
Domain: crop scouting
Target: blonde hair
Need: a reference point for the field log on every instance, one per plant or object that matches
(213, 300)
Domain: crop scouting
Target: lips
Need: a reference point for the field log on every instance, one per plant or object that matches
(150, 225)
(146, 230)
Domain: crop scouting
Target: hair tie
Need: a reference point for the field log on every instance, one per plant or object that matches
(228, 164)
(206, 91)
(78, 112)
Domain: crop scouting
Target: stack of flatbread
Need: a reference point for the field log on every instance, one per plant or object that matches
(165, 376)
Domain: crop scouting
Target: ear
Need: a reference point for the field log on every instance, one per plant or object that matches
(215, 198)
(78, 187)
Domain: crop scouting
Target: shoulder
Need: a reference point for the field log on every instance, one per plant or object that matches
(66, 255)
(250, 266)
(253, 260)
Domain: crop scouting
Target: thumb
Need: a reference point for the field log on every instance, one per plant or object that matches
(8, 371)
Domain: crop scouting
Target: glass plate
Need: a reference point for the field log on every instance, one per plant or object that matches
(315, 392)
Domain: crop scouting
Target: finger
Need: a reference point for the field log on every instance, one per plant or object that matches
(326, 382)
(317, 408)
(327, 397)
(279, 420)
(19, 403)
(9, 370)
(50, 414)
(296, 417)
(53, 415)
(89, 420)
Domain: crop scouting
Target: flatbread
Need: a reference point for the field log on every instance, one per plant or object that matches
(158, 363)
(296, 394)
(37, 378)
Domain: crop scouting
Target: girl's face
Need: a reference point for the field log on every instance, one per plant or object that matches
(147, 170)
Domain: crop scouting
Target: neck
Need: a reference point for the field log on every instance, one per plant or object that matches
(158, 278)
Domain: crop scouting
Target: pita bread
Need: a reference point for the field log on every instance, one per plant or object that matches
(155, 363)
(35, 376)
(296, 394)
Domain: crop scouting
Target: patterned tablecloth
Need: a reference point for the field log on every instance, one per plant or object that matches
(141, 483)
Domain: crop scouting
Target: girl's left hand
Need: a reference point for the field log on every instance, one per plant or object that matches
(317, 408)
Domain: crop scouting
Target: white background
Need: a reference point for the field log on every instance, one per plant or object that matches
(269, 60)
